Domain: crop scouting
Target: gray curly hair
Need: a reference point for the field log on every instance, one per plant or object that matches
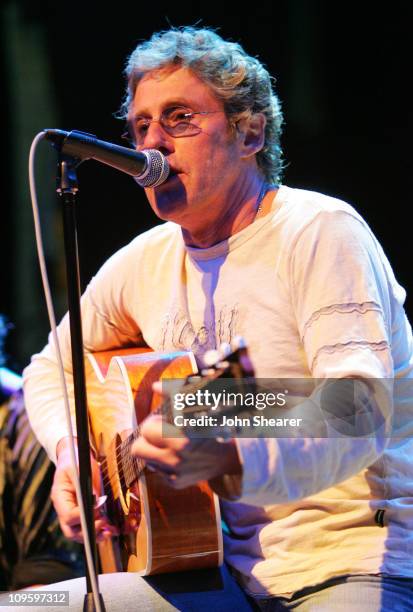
(240, 81)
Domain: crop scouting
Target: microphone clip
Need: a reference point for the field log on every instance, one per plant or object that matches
(66, 178)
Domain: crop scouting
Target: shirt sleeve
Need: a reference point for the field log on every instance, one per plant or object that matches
(108, 321)
(342, 300)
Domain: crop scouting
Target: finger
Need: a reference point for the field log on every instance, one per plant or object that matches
(151, 430)
(161, 467)
(103, 530)
(161, 434)
(73, 532)
(157, 388)
(103, 524)
(146, 450)
(68, 509)
(156, 459)
(177, 482)
(71, 525)
(63, 494)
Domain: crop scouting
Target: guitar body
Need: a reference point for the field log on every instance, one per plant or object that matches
(162, 529)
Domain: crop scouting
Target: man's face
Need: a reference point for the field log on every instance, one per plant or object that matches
(205, 167)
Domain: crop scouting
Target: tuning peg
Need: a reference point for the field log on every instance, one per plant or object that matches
(223, 365)
(224, 349)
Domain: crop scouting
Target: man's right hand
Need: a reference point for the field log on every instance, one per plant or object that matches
(64, 497)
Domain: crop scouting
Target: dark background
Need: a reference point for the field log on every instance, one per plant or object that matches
(343, 74)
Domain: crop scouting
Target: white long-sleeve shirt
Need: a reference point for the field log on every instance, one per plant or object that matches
(310, 289)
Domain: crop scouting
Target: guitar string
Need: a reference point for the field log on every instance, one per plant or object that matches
(122, 455)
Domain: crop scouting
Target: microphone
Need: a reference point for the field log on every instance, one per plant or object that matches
(149, 168)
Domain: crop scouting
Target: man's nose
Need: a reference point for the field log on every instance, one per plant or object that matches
(157, 138)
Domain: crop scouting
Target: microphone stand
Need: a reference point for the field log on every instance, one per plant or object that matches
(67, 188)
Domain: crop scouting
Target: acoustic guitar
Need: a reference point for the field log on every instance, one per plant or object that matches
(162, 529)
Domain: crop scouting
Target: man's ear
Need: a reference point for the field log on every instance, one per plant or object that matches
(252, 134)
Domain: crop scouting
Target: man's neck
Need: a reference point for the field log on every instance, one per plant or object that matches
(233, 216)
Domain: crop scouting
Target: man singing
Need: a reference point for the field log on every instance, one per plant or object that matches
(313, 523)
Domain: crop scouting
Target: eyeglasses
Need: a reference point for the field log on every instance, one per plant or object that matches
(177, 121)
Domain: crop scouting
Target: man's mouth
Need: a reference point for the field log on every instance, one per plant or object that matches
(173, 172)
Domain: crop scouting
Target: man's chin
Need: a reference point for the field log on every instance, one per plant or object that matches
(168, 199)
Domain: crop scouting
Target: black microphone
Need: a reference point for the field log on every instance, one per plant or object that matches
(149, 168)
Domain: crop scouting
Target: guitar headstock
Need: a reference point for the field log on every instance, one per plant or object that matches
(228, 361)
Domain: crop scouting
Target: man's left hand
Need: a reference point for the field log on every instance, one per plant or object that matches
(181, 460)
